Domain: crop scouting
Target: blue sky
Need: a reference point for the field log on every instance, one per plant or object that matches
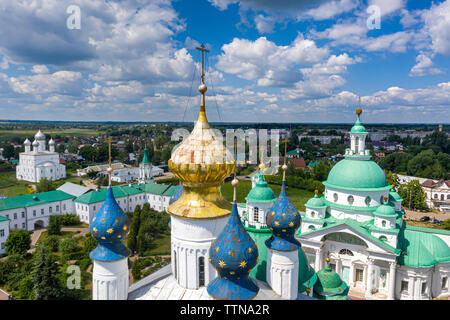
(269, 61)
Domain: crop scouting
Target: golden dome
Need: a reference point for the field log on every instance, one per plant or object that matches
(201, 162)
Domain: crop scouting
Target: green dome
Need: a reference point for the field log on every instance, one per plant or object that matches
(358, 127)
(329, 285)
(385, 210)
(315, 202)
(261, 192)
(353, 174)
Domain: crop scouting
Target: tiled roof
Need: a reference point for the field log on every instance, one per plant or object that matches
(34, 199)
(298, 162)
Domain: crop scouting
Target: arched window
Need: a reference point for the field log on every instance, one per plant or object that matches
(383, 238)
(383, 223)
(255, 214)
(368, 199)
(381, 200)
(312, 228)
(350, 200)
(201, 271)
(448, 197)
(357, 145)
(346, 252)
(313, 214)
(335, 197)
(175, 264)
(435, 196)
(442, 196)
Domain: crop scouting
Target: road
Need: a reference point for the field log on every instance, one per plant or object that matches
(416, 215)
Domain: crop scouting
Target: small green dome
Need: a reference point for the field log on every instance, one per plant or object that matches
(385, 210)
(358, 127)
(145, 158)
(261, 192)
(353, 174)
(329, 285)
(315, 202)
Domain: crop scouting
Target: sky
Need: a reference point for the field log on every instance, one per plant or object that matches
(269, 61)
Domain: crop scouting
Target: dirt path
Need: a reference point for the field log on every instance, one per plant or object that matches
(416, 215)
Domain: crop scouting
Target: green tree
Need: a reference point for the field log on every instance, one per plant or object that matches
(134, 229)
(68, 246)
(45, 185)
(91, 174)
(54, 225)
(413, 195)
(90, 243)
(392, 179)
(46, 282)
(89, 153)
(321, 170)
(18, 242)
(8, 152)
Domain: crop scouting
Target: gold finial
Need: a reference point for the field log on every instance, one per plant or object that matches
(316, 192)
(202, 88)
(110, 169)
(327, 260)
(284, 167)
(385, 199)
(359, 110)
(235, 181)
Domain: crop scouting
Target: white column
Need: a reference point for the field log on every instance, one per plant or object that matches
(339, 267)
(351, 275)
(392, 271)
(369, 278)
(282, 273)
(318, 258)
(110, 280)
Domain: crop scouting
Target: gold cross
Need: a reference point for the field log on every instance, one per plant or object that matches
(203, 50)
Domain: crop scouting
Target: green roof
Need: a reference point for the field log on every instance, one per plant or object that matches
(385, 210)
(329, 285)
(145, 158)
(353, 174)
(33, 199)
(313, 164)
(293, 152)
(422, 249)
(306, 275)
(358, 127)
(429, 230)
(3, 219)
(124, 191)
(315, 202)
(394, 196)
(261, 192)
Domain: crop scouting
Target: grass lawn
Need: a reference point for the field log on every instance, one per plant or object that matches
(64, 132)
(161, 246)
(10, 187)
(297, 196)
(416, 223)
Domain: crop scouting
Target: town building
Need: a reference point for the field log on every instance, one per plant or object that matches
(37, 162)
(321, 139)
(438, 194)
(4, 233)
(32, 211)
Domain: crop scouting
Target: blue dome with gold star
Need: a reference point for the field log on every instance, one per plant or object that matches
(283, 219)
(177, 194)
(233, 254)
(109, 226)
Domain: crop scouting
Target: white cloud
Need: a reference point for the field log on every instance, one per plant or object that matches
(269, 64)
(64, 82)
(387, 6)
(423, 67)
(331, 9)
(437, 26)
(264, 24)
(41, 68)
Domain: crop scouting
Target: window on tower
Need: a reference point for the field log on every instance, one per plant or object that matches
(201, 271)
(255, 214)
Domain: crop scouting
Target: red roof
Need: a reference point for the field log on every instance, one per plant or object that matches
(298, 163)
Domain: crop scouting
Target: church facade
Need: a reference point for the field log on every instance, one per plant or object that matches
(38, 162)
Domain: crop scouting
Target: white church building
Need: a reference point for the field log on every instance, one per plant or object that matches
(38, 162)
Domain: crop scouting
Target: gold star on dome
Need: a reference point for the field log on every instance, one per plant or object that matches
(119, 236)
(103, 238)
(250, 250)
(284, 230)
(125, 227)
(242, 264)
(291, 224)
(103, 221)
(230, 253)
(94, 229)
(110, 230)
(217, 249)
(273, 213)
(222, 264)
(283, 215)
(117, 220)
(257, 259)
(93, 219)
(231, 272)
(277, 223)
